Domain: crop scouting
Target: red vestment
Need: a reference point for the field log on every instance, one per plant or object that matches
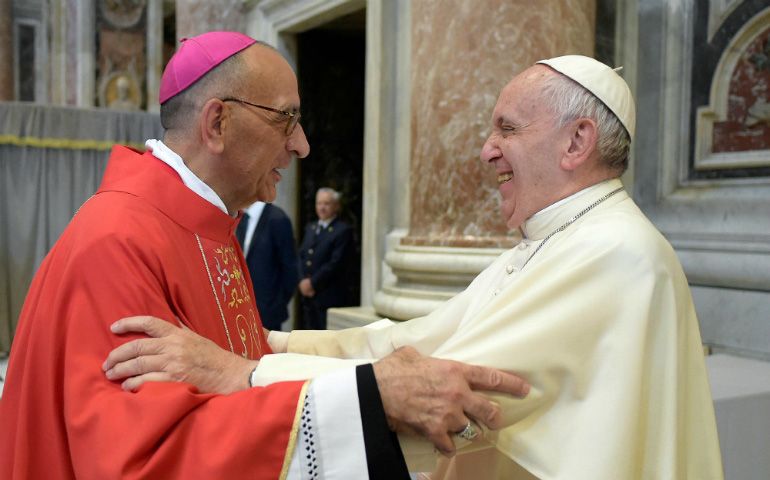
(144, 244)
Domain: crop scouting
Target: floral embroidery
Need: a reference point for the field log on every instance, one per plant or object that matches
(239, 293)
(230, 278)
(248, 331)
(235, 298)
(223, 276)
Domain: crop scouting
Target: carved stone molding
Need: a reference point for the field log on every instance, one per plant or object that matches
(425, 277)
(122, 13)
(719, 10)
(739, 100)
(717, 223)
(273, 17)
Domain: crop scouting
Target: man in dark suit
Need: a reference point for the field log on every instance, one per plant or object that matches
(324, 259)
(267, 240)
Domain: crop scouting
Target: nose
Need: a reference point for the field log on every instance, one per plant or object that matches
(490, 151)
(297, 143)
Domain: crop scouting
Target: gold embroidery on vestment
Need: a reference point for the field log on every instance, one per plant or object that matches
(214, 291)
(248, 331)
(248, 328)
(294, 432)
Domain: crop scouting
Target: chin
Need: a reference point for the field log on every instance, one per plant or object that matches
(509, 215)
(268, 197)
(514, 224)
(514, 220)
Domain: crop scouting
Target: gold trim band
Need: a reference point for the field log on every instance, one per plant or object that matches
(64, 143)
(216, 295)
(294, 432)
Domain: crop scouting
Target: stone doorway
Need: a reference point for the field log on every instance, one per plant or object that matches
(331, 70)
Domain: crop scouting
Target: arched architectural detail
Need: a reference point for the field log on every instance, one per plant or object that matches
(734, 128)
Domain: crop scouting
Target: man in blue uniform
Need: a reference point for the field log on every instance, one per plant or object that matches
(324, 257)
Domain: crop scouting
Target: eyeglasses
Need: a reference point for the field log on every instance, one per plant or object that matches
(292, 117)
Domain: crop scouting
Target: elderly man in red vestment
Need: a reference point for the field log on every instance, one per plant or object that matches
(157, 238)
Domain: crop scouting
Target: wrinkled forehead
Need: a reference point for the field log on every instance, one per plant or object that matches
(523, 93)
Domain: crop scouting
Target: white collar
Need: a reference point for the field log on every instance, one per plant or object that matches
(327, 222)
(161, 151)
(546, 220)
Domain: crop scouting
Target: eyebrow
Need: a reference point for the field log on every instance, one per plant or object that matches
(501, 120)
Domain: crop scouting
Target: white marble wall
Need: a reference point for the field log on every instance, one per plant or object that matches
(194, 17)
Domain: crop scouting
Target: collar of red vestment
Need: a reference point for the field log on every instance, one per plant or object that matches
(141, 174)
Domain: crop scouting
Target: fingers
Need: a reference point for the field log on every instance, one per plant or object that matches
(132, 384)
(152, 326)
(470, 431)
(443, 443)
(132, 349)
(136, 367)
(444, 440)
(483, 410)
(484, 378)
(437, 397)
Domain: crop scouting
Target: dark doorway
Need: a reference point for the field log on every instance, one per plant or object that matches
(331, 70)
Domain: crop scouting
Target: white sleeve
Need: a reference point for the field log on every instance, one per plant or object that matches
(330, 443)
(278, 341)
(283, 367)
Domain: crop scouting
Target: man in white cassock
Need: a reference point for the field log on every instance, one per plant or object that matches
(592, 307)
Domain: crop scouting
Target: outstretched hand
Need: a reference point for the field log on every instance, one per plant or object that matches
(174, 354)
(436, 398)
(432, 397)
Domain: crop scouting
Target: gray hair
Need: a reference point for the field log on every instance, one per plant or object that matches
(336, 196)
(570, 101)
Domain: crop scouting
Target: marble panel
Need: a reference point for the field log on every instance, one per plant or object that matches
(25, 38)
(729, 94)
(734, 321)
(122, 61)
(6, 51)
(463, 54)
(747, 126)
(194, 17)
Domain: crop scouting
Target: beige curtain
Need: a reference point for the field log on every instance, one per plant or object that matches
(51, 161)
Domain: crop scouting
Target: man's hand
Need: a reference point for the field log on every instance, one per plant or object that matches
(174, 355)
(435, 397)
(306, 288)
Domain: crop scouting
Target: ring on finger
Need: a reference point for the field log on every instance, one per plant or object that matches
(468, 433)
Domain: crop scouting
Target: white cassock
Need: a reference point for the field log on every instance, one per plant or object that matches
(600, 321)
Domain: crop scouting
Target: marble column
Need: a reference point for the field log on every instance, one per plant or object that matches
(6, 51)
(194, 17)
(463, 53)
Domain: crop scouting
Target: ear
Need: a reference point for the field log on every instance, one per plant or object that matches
(582, 143)
(212, 124)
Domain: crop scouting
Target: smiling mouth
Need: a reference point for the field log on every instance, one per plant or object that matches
(504, 177)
